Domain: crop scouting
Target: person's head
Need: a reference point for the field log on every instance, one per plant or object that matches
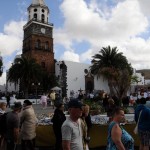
(85, 110)
(118, 115)
(142, 101)
(111, 101)
(17, 107)
(75, 109)
(60, 106)
(3, 106)
(27, 103)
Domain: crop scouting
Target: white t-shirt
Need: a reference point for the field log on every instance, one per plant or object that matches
(72, 132)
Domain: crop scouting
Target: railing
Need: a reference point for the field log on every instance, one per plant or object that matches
(36, 20)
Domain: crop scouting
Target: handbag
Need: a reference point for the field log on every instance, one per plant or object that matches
(136, 127)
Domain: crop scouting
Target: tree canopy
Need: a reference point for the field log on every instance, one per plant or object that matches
(114, 67)
(26, 71)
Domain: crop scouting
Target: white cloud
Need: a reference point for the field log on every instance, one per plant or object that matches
(70, 56)
(84, 23)
(144, 5)
(60, 37)
(86, 55)
(11, 39)
(121, 26)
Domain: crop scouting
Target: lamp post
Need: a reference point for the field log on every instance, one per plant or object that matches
(36, 89)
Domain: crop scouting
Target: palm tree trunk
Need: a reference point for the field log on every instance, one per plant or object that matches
(111, 88)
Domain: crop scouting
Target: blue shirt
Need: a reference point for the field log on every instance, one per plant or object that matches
(144, 122)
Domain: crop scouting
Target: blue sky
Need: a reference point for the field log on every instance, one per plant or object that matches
(82, 28)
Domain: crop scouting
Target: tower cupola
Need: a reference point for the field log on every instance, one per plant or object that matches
(38, 11)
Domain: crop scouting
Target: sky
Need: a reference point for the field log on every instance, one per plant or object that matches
(81, 29)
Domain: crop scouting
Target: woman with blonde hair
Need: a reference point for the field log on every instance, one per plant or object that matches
(110, 108)
(85, 125)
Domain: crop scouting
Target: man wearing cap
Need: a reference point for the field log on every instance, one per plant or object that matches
(71, 128)
(28, 122)
(13, 123)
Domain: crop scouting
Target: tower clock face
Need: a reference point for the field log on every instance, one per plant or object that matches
(43, 30)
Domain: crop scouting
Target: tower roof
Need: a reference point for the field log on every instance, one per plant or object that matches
(38, 2)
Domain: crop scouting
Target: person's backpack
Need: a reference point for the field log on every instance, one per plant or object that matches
(3, 124)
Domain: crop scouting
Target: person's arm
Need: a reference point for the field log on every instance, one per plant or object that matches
(66, 137)
(16, 135)
(22, 118)
(66, 145)
(116, 134)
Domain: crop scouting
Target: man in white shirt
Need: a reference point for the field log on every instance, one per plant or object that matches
(71, 128)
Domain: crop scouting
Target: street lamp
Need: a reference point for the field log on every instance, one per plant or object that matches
(36, 88)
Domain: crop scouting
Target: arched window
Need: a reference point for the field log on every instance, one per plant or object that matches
(35, 16)
(38, 44)
(46, 45)
(43, 64)
(42, 18)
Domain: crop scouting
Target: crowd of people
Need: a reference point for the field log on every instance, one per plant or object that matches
(20, 124)
(72, 131)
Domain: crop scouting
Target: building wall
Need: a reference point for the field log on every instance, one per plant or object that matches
(101, 84)
(11, 87)
(147, 81)
(141, 80)
(76, 77)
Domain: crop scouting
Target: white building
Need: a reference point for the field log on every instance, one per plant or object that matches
(77, 77)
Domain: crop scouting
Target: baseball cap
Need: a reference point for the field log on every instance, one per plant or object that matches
(16, 106)
(75, 104)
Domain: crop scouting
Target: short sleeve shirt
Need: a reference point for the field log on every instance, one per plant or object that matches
(72, 132)
(13, 121)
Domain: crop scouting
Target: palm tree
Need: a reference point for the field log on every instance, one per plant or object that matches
(111, 64)
(49, 81)
(1, 66)
(26, 71)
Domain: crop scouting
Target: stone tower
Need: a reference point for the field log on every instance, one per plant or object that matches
(38, 36)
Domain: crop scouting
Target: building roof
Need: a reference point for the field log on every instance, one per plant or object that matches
(38, 2)
(145, 73)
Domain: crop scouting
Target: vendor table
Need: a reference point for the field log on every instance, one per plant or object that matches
(98, 134)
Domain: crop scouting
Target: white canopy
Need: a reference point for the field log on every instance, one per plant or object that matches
(56, 88)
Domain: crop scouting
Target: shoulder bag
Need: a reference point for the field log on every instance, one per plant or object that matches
(136, 127)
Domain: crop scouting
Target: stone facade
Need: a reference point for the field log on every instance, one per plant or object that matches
(38, 37)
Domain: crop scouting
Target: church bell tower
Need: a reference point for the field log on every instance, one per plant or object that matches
(38, 36)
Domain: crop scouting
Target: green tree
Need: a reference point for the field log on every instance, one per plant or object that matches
(114, 67)
(25, 71)
(1, 66)
(49, 81)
